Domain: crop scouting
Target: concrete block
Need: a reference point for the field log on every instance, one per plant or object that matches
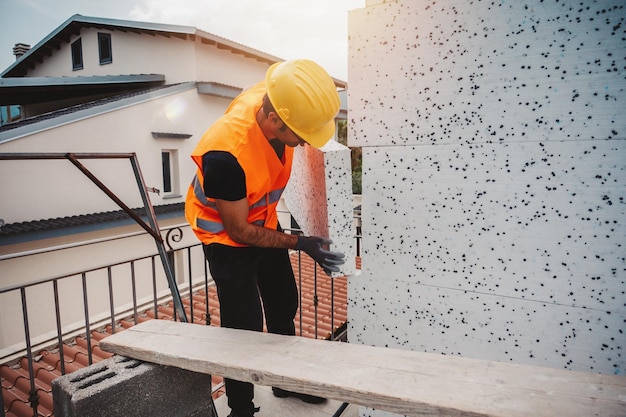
(121, 386)
(319, 197)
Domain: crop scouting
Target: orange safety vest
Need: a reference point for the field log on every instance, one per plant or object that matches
(238, 132)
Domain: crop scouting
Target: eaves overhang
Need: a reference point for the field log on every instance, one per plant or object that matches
(40, 123)
(218, 89)
(27, 231)
(31, 90)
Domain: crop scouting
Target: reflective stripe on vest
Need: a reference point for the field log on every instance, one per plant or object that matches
(274, 196)
(198, 190)
(217, 227)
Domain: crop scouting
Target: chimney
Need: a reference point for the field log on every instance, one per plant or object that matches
(20, 49)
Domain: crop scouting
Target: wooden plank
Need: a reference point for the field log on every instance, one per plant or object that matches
(400, 381)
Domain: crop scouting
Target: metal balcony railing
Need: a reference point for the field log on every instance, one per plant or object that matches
(195, 289)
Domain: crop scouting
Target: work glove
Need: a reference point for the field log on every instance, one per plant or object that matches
(314, 247)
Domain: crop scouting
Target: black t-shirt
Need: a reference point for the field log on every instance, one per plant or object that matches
(224, 179)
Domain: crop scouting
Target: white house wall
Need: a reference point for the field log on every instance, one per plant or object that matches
(180, 60)
(225, 67)
(494, 180)
(133, 53)
(121, 131)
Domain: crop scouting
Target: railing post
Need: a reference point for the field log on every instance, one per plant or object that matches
(300, 288)
(315, 298)
(2, 414)
(134, 288)
(111, 301)
(332, 309)
(207, 319)
(33, 396)
(170, 258)
(87, 318)
(57, 310)
(190, 285)
(154, 289)
(174, 235)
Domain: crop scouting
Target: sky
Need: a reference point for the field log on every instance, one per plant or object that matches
(288, 29)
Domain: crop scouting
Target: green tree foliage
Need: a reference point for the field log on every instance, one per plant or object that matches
(355, 156)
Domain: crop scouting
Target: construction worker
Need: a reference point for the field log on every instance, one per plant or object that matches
(244, 161)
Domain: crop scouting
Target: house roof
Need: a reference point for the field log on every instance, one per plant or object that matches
(16, 88)
(30, 90)
(72, 26)
(11, 233)
(66, 115)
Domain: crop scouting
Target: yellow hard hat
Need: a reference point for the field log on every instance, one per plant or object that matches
(305, 98)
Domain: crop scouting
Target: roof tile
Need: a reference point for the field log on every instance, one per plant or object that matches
(18, 228)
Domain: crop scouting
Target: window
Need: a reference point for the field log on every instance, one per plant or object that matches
(104, 48)
(77, 55)
(169, 160)
(10, 114)
(167, 172)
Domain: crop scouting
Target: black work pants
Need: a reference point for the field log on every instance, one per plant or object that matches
(251, 281)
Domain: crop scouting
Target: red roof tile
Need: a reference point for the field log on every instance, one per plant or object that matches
(47, 366)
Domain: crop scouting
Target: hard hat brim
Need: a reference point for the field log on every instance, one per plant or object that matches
(317, 138)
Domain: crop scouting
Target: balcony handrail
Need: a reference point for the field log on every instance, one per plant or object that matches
(73, 245)
(61, 332)
(91, 269)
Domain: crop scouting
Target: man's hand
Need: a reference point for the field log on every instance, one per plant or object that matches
(314, 247)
